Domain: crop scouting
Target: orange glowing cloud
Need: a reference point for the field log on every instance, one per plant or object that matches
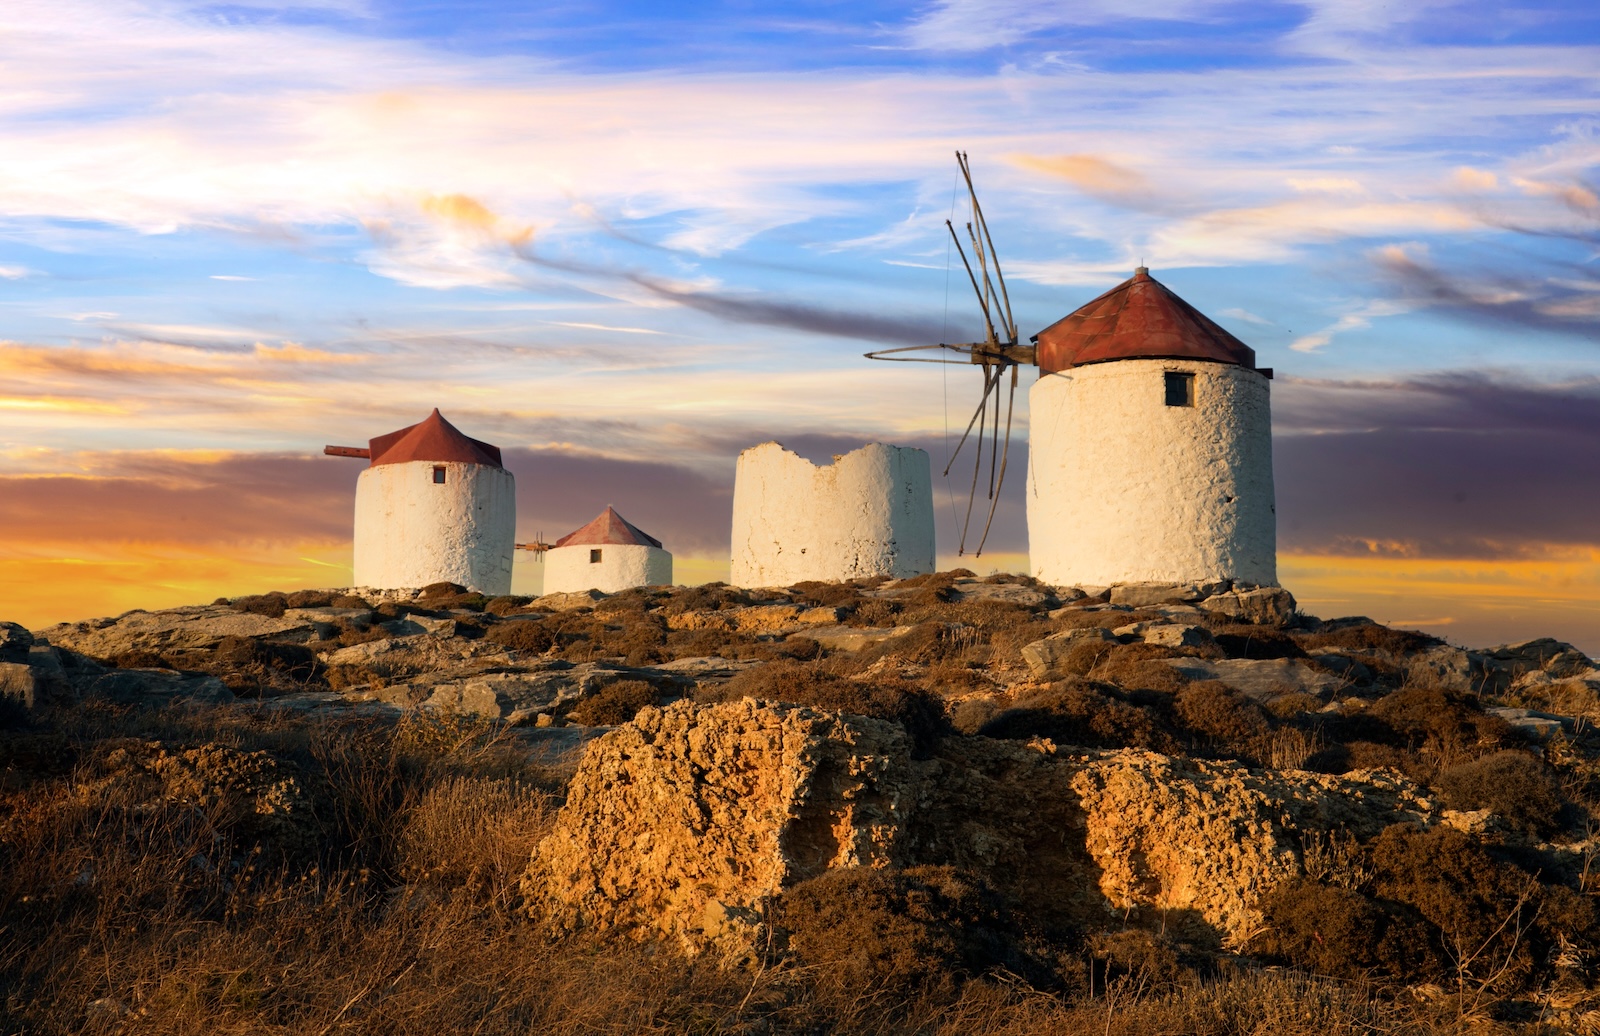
(469, 213)
(1095, 176)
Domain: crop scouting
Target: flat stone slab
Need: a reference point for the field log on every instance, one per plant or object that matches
(196, 628)
(1538, 725)
(1260, 679)
(853, 638)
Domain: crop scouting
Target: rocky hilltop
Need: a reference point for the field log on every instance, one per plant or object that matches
(923, 791)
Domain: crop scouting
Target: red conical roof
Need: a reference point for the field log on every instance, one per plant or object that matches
(610, 527)
(433, 438)
(1138, 319)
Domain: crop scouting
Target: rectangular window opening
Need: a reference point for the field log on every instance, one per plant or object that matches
(1180, 388)
(594, 556)
(438, 475)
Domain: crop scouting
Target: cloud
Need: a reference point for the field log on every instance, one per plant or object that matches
(1559, 303)
(1464, 464)
(1357, 319)
(1097, 177)
(14, 273)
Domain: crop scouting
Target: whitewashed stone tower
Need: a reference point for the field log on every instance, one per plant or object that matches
(434, 506)
(609, 554)
(1149, 447)
(869, 513)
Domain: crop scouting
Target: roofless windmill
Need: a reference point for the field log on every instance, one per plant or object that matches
(997, 354)
(1150, 443)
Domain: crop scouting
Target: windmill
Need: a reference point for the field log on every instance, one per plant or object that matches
(997, 354)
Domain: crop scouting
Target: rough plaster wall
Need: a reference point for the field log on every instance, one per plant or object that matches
(411, 532)
(868, 513)
(1123, 488)
(622, 565)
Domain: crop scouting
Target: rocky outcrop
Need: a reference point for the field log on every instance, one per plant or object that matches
(688, 821)
(176, 629)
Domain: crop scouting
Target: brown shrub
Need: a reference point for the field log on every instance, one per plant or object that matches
(1134, 957)
(1520, 789)
(936, 579)
(868, 931)
(615, 703)
(506, 605)
(531, 635)
(352, 677)
(1476, 906)
(927, 644)
(1285, 706)
(1245, 641)
(971, 714)
(442, 589)
(1136, 667)
(1078, 712)
(826, 595)
(271, 604)
(349, 601)
(877, 612)
(640, 640)
(476, 832)
(706, 597)
(1339, 931)
(1366, 636)
(1445, 728)
(1219, 718)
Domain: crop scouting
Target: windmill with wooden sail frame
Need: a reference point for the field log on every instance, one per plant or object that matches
(1151, 432)
(998, 355)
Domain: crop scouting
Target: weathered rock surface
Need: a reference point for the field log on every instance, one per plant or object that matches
(1140, 595)
(685, 822)
(15, 642)
(687, 807)
(1047, 657)
(191, 628)
(853, 638)
(1264, 606)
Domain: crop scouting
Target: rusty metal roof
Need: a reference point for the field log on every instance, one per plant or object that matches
(610, 527)
(1140, 318)
(433, 438)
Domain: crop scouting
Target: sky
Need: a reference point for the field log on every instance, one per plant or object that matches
(624, 241)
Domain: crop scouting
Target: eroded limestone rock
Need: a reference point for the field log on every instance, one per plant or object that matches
(687, 821)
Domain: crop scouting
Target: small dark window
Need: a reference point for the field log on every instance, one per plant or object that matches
(1180, 389)
(594, 556)
(438, 476)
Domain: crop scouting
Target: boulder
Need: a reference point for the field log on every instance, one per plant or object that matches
(1140, 595)
(693, 812)
(1046, 657)
(1261, 679)
(687, 821)
(19, 683)
(1263, 606)
(1505, 665)
(1448, 668)
(15, 642)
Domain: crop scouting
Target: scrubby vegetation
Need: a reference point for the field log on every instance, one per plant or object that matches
(237, 868)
